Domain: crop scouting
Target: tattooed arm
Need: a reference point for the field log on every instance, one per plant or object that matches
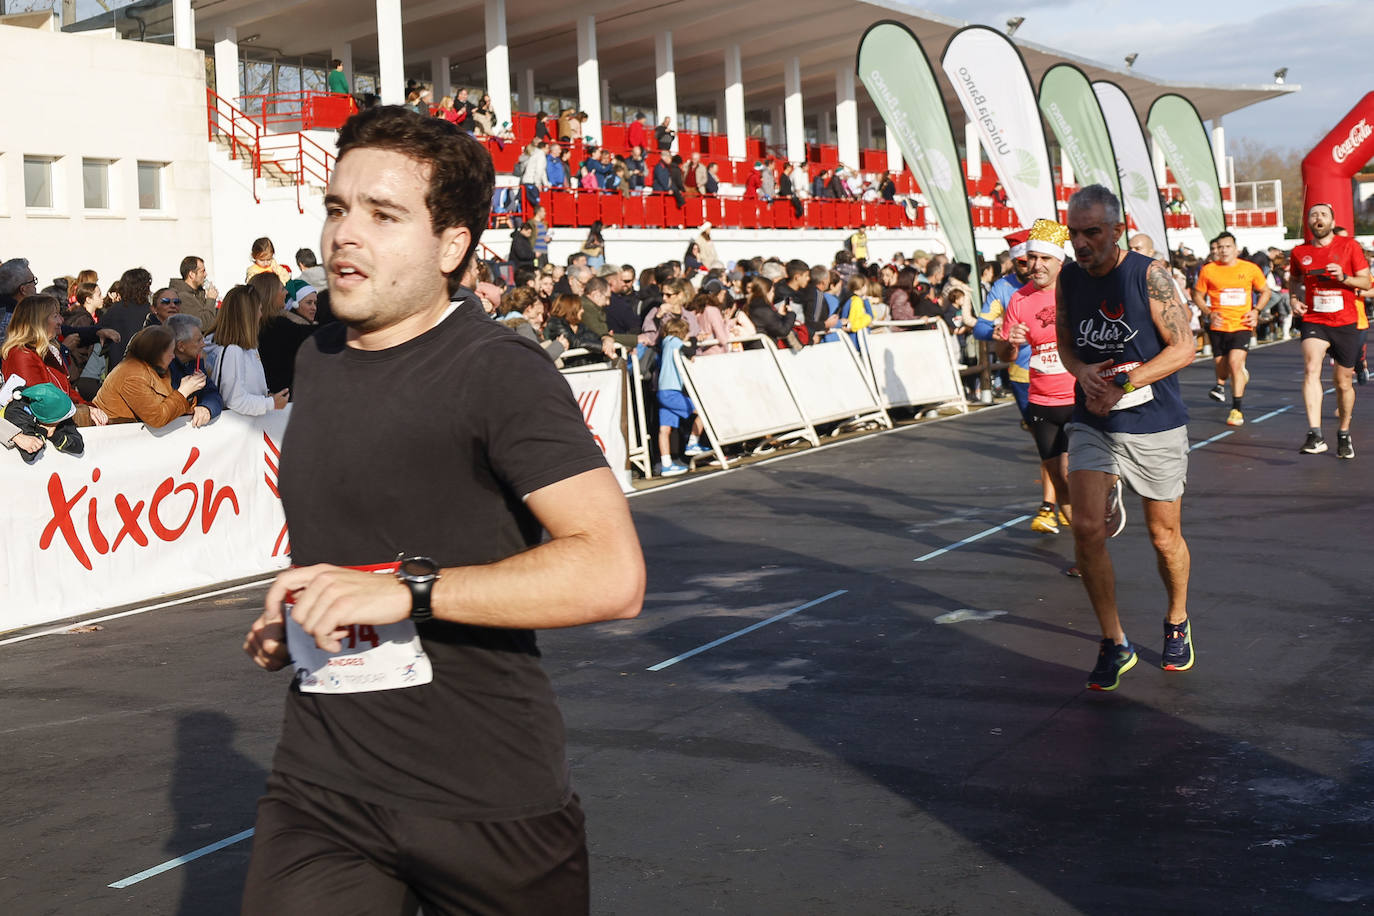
(1172, 320)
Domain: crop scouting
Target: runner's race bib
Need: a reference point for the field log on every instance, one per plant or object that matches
(1234, 297)
(385, 657)
(1142, 395)
(1045, 359)
(1326, 300)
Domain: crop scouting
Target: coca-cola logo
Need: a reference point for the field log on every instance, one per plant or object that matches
(1358, 134)
(138, 518)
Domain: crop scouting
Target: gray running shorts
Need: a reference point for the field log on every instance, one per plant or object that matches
(1154, 465)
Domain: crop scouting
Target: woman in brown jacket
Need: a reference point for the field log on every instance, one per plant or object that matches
(138, 391)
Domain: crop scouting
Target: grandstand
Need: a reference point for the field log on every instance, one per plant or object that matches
(228, 133)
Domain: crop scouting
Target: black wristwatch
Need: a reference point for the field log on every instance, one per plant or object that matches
(419, 575)
(1123, 381)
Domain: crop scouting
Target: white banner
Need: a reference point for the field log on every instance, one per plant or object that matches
(144, 513)
(600, 395)
(991, 81)
(1133, 163)
(742, 395)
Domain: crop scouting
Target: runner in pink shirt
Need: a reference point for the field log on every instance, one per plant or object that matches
(1030, 319)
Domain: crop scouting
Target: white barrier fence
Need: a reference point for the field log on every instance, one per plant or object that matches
(766, 392)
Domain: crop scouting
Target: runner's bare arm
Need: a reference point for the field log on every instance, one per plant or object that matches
(1203, 304)
(591, 569)
(1295, 290)
(1360, 280)
(1171, 319)
(1252, 316)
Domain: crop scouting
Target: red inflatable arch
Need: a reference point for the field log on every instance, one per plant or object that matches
(1341, 154)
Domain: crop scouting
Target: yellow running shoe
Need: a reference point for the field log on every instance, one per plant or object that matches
(1234, 418)
(1044, 521)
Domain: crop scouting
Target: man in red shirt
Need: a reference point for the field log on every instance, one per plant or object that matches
(638, 134)
(1323, 277)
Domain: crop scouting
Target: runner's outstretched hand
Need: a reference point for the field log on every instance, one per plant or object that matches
(266, 640)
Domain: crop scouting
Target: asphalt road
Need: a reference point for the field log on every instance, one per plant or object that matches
(920, 741)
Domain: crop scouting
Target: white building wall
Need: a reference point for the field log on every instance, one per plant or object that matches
(49, 116)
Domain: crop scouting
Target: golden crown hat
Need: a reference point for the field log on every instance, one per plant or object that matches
(1049, 237)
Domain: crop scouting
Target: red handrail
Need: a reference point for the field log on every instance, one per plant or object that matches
(294, 155)
(287, 112)
(240, 131)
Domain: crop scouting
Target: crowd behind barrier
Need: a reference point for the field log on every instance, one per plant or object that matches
(681, 363)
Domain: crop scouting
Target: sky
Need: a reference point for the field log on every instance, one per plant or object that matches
(1328, 48)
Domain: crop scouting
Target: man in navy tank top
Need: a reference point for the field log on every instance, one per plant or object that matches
(1124, 334)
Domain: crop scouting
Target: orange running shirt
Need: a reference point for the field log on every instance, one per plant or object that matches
(1229, 289)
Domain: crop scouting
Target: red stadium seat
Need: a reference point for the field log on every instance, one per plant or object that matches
(612, 209)
(749, 214)
(731, 214)
(633, 210)
(562, 207)
(783, 215)
(764, 214)
(715, 210)
(613, 135)
(694, 212)
(673, 215)
(588, 207)
(653, 211)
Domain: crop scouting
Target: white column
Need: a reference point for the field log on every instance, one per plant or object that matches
(391, 63)
(527, 90)
(792, 106)
(823, 131)
(498, 62)
(894, 152)
(1219, 150)
(665, 80)
(1161, 167)
(227, 62)
(868, 132)
(1065, 169)
(846, 118)
(183, 25)
(735, 131)
(343, 52)
(605, 98)
(589, 77)
(973, 151)
(778, 128)
(439, 73)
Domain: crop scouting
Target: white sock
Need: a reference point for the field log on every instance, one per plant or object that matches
(691, 441)
(667, 461)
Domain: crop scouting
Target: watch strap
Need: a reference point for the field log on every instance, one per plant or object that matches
(420, 590)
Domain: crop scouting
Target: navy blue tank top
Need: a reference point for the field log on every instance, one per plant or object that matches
(1109, 319)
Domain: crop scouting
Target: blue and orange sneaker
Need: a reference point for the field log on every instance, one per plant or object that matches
(1112, 662)
(1178, 646)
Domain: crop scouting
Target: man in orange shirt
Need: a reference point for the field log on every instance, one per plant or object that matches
(1223, 293)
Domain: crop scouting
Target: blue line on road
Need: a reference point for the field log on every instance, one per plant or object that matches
(1211, 440)
(182, 860)
(749, 629)
(969, 540)
(1273, 413)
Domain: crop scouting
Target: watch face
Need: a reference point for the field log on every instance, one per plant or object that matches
(418, 567)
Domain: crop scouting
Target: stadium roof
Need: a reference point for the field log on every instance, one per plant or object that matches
(542, 35)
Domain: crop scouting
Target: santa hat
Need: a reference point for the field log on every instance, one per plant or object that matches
(1016, 241)
(1048, 237)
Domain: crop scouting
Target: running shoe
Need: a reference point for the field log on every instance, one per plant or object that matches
(1362, 373)
(672, 470)
(1218, 392)
(1073, 573)
(1345, 448)
(1235, 418)
(1063, 519)
(1044, 521)
(694, 449)
(1116, 511)
(1178, 646)
(1314, 445)
(1112, 662)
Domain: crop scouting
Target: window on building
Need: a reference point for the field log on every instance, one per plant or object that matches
(38, 182)
(150, 185)
(95, 184)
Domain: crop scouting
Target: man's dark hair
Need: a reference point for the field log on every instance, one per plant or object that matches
(629, 267)
(188, 264)
(572, 258)
(662, 274)
(596, 285)
(461, 176)
(306, 258)
(796, 268)
(523, 275)
(960, 271)
(1222, 235)
(335, 64)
